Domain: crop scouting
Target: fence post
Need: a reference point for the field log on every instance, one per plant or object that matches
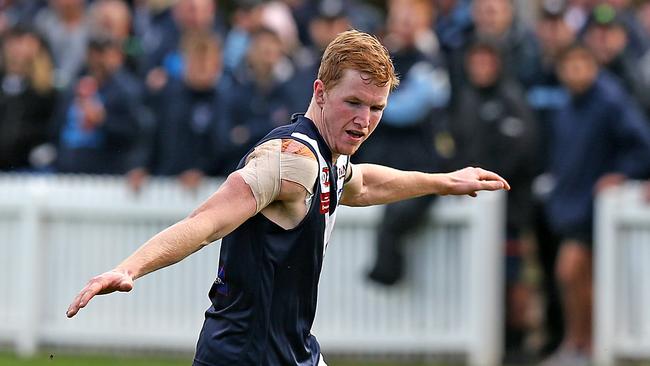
(605, 277)
(486, 276)
(29, 277)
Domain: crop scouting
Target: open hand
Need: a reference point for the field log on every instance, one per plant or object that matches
(470, 180)
(111, 281)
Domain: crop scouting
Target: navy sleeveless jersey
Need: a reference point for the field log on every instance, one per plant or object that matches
(264, 297)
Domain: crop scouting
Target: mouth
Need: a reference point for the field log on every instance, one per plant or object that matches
(356, 135)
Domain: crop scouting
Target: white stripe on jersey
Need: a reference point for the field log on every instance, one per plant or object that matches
(342, 161)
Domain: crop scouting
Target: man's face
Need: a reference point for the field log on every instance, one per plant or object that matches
(66, 6)
(492, 17)
(202, 69)
(18, 52)
(578, 71)
(195, 15)
(483, 68)
(114, 19)
(264, 53)
(104, 61)
(350, 111)
(554, 34)
(323, 31)
(606, 43)
(407, 19)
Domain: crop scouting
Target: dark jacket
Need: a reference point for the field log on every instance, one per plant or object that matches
(25, 116)
(493, 128)
(598, 132)
(250, 113)
(626, 67)
(186, 119)
(108, 148)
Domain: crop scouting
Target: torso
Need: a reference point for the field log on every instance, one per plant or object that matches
(264, 299)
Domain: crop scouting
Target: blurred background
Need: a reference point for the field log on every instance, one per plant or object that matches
(117, 117)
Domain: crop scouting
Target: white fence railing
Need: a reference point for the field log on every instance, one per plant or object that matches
(622, 276)
(58, 231)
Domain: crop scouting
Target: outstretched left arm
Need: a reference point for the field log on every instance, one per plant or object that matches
(375, 184)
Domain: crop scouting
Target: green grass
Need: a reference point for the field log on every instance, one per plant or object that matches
(67, 360)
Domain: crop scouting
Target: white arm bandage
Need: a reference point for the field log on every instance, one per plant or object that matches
(276, 160)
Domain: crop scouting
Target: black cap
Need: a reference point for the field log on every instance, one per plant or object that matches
(604, 15)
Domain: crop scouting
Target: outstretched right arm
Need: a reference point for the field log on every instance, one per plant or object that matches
(220, 214)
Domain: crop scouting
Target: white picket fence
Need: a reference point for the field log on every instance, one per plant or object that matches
(622, 276)
(58, 231)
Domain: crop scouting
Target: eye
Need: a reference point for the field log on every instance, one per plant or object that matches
(377, 109)
(353, 102)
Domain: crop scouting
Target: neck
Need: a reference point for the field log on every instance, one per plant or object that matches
(315, 115)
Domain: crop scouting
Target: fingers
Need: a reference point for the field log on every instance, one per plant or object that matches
(103, 284)
(492, 185)
(73, 309)
(491, 177)
(82, 299)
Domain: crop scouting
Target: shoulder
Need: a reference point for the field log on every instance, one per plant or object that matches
(298, 163)
(295, 147)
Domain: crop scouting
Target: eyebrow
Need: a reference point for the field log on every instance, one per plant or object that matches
(355, 99)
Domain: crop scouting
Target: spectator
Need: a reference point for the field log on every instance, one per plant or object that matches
(27, 98)
(303, 11)
(17, 12)
(404, 139)
(493, 126)
(113, 17)
(323, 28)
(577, 13)
(277, 16)
(608, 39)
(65, 27)
(600, 138)
(495, 20)
(643, 16)
(258, 99)
(189, 16)
(546, 96)
(98, 120)
(246, 19)
(638, 39)
(153, 26)
(453, 24)
(186, 111)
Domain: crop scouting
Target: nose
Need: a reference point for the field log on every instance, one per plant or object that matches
(363, 117)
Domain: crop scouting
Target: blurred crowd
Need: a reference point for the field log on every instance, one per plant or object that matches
(558, 105)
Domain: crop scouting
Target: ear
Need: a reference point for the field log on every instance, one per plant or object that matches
(319, 92)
